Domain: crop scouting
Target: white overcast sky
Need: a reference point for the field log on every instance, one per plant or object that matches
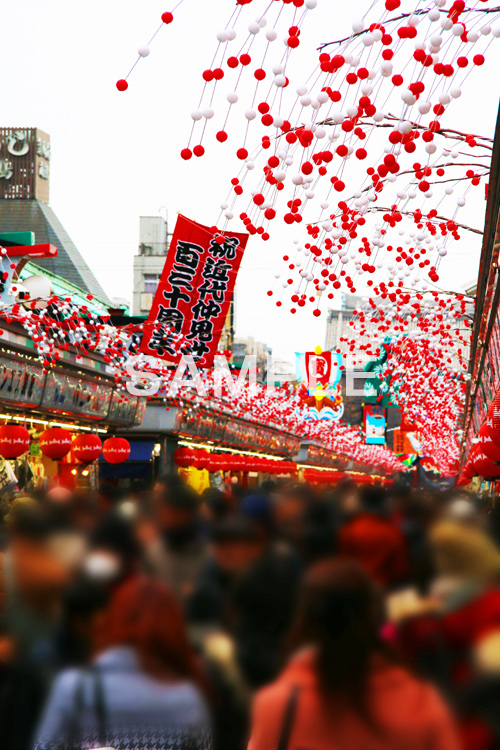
(116, 156)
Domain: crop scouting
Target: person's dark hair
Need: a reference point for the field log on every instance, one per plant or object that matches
(306, 493)
(170, 480)
(268, 486)
(238, 492)
(82, 600)
(235, 528)
(339, 613)
(84, 597)
(116, 533)
(374, 498)
(30, 522)
(177, 494)
(110, 493)
(217, 502)
(345, 485)
(138, 486)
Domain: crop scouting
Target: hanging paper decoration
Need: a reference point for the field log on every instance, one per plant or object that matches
(116, 450)
(14, 440)
(381, 98)
(194, 292)
(407, 443)
(55, 443)
(87, 447)
(319, 374)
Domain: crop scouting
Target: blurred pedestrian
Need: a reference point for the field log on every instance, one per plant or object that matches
(347, 499)
(341, 688)
(141, 690)
(235, 546)
(178, 551)
(456, 637)
(32, 583)
(374, 540)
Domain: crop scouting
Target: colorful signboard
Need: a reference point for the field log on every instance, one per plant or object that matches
(319, 376)
(374, 424)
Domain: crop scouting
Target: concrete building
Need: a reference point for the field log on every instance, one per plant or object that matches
(337, 322)
(148, 264)
(244, 346)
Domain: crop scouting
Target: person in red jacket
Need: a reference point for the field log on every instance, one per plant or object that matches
(341, 689)
(453, 636)
(373, 539)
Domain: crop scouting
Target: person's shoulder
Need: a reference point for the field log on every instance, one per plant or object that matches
(188, 702)
(298, 674)
(65, 686)
(68, 680)
(271, 698)
(416, 694)
(184, 693)
(491, 596)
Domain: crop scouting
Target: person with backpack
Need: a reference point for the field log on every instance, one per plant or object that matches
(142, 687)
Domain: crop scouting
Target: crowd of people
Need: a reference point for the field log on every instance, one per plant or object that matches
(286, 617)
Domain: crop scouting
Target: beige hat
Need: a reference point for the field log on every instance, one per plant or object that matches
(465, 551)
(18, 506)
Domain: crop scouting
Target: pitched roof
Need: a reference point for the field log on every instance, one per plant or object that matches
(38, 217)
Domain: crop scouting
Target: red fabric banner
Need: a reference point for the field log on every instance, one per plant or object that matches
(194, 293)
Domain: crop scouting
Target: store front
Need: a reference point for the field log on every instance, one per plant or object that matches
(78, 396)
(242, 448)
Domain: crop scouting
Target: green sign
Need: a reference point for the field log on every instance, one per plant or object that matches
(376, 390)
(11, 239)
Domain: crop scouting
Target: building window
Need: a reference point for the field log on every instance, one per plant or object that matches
(151, 282)
(146, 302)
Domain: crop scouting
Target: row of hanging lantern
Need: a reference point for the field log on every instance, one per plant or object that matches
(202, 459)
(484, 457)
(331, 476)
(56, 443)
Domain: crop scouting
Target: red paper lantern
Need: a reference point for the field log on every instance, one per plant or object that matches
(87, 447)
(184, 457)
(201, 459)
(485, 467)
(14, 440)
(223, 462)
(55, 443)
(488, 426)
(116, 450)
(253, 463)
(494, 413)
(237, 463)
(490, 447)
(216, 462)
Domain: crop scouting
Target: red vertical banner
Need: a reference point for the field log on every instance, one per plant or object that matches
(194, 293)
(322, 363)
